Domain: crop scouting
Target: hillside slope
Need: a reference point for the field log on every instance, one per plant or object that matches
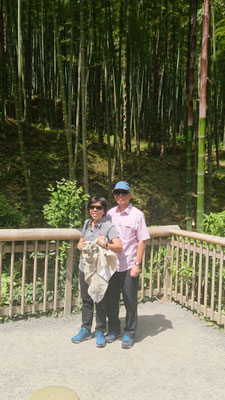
(158, 184)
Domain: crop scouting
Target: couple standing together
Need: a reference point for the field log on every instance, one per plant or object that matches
(122, 230)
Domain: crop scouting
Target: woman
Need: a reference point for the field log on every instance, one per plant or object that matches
(97, 227)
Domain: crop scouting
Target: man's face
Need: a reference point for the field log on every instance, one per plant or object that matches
(122, 197)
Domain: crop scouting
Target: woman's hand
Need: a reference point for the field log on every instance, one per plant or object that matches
(101, 241)
(81, 244)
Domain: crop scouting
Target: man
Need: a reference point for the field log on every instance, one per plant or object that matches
(130, 225)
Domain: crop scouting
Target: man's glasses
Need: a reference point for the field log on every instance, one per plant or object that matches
(96, 207)
(120, 192)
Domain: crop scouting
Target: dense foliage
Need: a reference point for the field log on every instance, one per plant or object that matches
(113, 71)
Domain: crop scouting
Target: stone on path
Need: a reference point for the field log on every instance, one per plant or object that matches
(54, 393)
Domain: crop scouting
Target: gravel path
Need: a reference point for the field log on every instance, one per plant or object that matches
(175, 356)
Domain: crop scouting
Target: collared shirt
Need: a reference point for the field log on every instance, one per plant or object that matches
(131, 227)
(103, 227)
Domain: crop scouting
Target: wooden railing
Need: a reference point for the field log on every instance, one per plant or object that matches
(178, 265)
(197, 273)
(30, 253)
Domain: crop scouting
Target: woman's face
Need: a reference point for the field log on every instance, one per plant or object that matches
(96, 211)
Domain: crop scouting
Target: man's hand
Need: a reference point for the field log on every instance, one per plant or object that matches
(134, 272)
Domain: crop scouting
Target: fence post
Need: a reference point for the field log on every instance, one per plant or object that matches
(166, 274)
(69, 279)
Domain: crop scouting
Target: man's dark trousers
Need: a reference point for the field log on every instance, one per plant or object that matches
(122, 281)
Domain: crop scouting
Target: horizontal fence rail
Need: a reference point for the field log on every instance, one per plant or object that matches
(39, 270)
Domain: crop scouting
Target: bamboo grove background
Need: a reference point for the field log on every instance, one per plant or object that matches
(129, 70)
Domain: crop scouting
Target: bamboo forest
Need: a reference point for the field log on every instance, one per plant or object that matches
(96, 91)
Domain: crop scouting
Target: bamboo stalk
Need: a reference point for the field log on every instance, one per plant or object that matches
(202, 117)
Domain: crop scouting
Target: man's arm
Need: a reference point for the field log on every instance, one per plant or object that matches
(134, 272)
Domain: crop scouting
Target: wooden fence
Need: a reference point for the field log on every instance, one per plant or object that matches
(39, 270)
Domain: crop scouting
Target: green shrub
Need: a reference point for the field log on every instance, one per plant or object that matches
(65, 206)
(214, 224)
(65, 211)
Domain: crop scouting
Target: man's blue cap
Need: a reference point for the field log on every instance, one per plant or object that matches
(122, 185)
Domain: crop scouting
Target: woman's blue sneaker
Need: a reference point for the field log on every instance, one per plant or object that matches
(100, 339)
(82, 335)
(127, 342)
(111, 337)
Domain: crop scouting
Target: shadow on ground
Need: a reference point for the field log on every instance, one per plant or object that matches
(150, 325)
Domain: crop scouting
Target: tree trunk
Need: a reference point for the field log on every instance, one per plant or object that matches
(11, 39)
(128, 134)
(2, 68)
(19, 56)
(83, 104)
(107, 109)
(202, 118)
(214, 85)
(70, 85)
(64, 104)
(77, 127)
(118, 151)
(28, 65)
(190, 83)
(108, 137)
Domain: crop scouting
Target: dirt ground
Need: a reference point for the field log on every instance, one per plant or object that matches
(175, 356)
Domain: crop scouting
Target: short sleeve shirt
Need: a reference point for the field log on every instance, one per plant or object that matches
(103, 227)
(131, 227)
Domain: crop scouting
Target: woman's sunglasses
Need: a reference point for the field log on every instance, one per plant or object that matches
(96, 207)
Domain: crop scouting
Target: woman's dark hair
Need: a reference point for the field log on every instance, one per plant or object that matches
(101, 200)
